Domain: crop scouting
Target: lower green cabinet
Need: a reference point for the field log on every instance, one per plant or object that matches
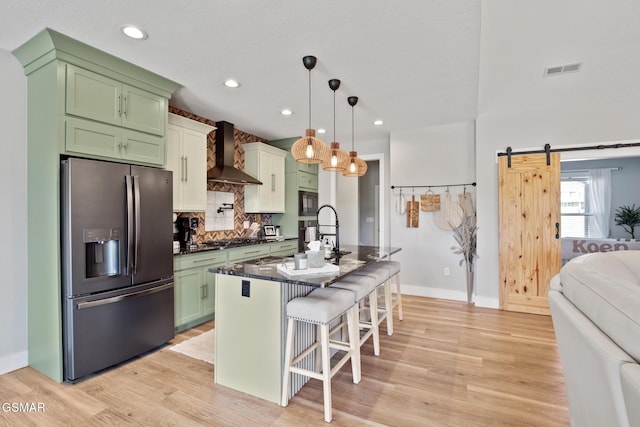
(209, 298)
(285, 248)
(194, 285)
(188, 286)
(194, 288)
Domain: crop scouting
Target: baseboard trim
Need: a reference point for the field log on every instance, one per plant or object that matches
(14, 361)
(425, 291)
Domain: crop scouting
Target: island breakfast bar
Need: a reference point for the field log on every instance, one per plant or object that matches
(250, 325)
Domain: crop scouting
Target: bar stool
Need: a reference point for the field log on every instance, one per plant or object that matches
(364, 286)
(393, 271)
(321, 307)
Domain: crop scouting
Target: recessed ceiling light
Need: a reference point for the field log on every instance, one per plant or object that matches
(134, 32)
(322, 130)
(378, 122)
(231, 83)
(286, 112)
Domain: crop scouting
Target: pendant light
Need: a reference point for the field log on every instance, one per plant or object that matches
(309, 149)
(354, 166)
(336, 158)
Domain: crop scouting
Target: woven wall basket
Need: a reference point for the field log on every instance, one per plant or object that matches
(430, 202)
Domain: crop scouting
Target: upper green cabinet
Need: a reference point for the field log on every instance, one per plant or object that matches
(112, 109)
(96, 97)
(113, 119)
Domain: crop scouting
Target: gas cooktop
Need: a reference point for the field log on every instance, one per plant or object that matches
(231, 243)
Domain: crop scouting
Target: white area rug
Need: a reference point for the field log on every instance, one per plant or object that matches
(201, 347)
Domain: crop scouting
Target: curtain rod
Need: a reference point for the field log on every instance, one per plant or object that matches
(473, 184)
(619, 168)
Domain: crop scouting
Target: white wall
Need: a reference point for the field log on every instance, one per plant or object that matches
(430, 156)
(13, 185)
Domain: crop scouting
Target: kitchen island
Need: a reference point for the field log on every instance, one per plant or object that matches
(251, 300)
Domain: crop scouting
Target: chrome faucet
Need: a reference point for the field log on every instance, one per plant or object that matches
(336, 248)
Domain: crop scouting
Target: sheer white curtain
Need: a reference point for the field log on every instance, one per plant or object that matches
(600, 201)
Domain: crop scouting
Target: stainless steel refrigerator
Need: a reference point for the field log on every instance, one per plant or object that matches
(117, 263)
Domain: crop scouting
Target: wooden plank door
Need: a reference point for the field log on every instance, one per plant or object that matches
(530, 247)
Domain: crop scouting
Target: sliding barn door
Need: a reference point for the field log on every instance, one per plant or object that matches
(530, 247)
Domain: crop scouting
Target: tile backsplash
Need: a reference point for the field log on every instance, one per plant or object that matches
(220, 211)
(239, 216)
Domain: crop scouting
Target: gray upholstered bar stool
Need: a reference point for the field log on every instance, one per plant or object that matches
(390, 301)
(321, 307)
(364, 286)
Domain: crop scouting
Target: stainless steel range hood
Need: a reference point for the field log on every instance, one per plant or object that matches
(224, 171)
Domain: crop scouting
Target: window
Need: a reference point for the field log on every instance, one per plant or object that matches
(575, 208)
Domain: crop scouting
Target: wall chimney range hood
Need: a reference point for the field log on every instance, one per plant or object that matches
(224, 171)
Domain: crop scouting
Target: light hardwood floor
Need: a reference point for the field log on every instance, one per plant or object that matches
(447, 364)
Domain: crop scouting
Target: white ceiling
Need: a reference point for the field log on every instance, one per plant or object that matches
(412, 63)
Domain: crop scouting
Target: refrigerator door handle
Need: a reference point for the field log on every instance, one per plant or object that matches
(89, 304)
(130, 226)
(136, 208)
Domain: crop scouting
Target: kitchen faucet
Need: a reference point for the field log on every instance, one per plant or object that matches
(336, 248)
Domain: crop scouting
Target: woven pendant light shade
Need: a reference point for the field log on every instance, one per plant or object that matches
(354, 165)
(309, 149)
(336, 159)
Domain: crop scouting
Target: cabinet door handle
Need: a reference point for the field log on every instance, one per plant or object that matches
(205, 260)
(120, 148)
(125, 107)
(181, 168)
(202, 292)
(125, 147)
(206, 290)
(273, 182)
(186, 169)
(119, 106)
(557, 230)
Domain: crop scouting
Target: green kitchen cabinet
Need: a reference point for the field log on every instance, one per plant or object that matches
(284, 248)
(51, 125)
(96, 97)
(188, 296)
(245, 253)
(98, 139)
(299, 177)
(194, 287)
(307, 181)
(108, 118)
(209, 289)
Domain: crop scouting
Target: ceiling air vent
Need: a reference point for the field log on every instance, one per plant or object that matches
(562, 69)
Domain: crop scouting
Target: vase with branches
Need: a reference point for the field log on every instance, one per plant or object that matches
(628, 217)
(465, 235)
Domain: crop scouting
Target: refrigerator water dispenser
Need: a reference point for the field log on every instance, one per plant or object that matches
(102, 252)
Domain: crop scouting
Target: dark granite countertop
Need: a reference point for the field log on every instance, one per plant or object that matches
(227, 244)
(266, 268)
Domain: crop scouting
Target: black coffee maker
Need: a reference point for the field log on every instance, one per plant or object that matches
(187, 230)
